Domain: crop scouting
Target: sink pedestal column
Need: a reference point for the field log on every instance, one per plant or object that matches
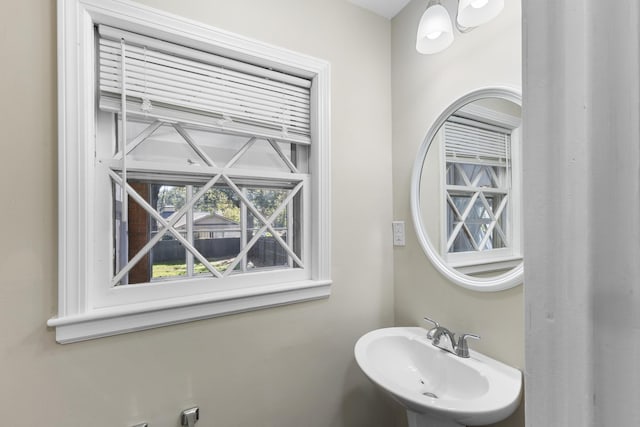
(422, 420)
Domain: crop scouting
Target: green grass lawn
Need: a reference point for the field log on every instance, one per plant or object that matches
(175, 269)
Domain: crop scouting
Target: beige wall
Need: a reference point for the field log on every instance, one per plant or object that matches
(286, 367)
(423, 86)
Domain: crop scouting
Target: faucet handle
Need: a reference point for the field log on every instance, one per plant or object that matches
(462, 349)
(431, 331)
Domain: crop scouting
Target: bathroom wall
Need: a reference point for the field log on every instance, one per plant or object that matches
(285, 367)
(422, 87)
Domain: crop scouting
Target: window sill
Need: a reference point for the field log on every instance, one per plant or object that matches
(136, 317)
(487, 266)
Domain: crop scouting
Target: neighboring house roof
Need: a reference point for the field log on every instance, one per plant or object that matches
(207, 219)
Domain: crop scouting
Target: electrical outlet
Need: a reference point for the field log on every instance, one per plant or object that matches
(398, 233)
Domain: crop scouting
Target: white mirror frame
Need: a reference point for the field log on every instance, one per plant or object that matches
(501, 282)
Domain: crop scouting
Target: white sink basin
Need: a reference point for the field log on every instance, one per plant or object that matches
(438, 388)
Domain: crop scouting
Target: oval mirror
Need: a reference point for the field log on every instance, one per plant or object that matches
(466, 191)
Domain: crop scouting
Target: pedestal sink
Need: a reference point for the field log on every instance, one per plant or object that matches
(438, 389)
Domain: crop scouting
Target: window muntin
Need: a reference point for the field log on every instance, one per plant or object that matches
(218, 226)
(476, 207)
(256, 214)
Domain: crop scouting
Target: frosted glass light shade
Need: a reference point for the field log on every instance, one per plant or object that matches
(435, 32)
(472, 13)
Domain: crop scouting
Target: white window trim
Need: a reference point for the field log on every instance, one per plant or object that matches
(497, 259)
(80, 314)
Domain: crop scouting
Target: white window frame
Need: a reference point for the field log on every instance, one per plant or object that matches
(496, 259)
(86, 311)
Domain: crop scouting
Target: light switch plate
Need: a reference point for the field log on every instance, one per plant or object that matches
(398, 233)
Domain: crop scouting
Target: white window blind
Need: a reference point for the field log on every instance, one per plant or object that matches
(173, 82)
(464, 141)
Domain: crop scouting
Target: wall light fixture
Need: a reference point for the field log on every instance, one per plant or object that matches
(435, 31)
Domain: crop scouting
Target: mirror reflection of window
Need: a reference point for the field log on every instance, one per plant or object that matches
(471, 187)
(478, 186)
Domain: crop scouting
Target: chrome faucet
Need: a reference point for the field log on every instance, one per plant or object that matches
(444, 339)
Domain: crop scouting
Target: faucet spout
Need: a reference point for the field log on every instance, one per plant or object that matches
(444, 339)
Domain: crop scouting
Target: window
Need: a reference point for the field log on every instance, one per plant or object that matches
(481, 191)
(194, 172)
